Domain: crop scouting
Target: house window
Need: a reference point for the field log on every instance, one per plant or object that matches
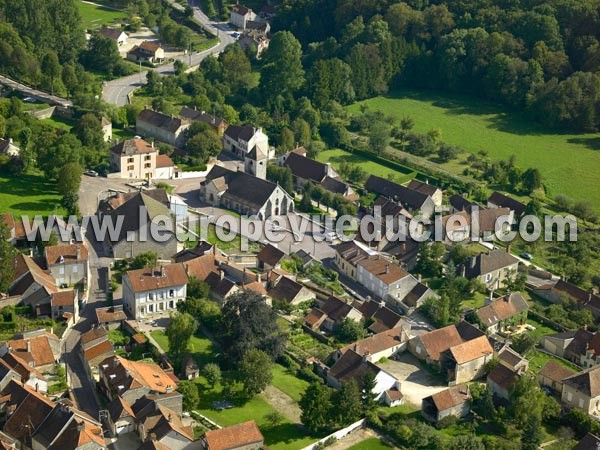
(418, 350)
(147, 158)
(129, 168)
(151, 296)
(61, 270)
(171, 293)
(581, 403)
(75, 269)
(147, 165)
(130, 160)
(488, 277)
(569, 396)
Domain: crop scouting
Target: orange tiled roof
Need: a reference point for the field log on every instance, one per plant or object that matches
(149, 279)
(68, 252)
(235, 436)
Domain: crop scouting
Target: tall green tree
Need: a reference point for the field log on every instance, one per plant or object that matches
(255, 371)
(179, 332)
(282, 72)
(316, 407)
(51, 67)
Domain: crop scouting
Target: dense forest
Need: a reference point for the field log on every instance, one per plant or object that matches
(542, 57)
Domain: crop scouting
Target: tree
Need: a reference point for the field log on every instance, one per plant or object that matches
(90, 133)
(7, 257)
(286, 140)
(212, 373)
(316, 407)
(197, 288)
(429, 260)
(348, 404)
(69, 179)
(51, 68)
(282, 73)
(203, 145)
(179, 332)
(532, 180)
(305, 203)
(379, 136)
(366, 386)
(523, 343)
(247, 323)
(189, 391)
(350, 330)
(143, 260)
(103, 55)
(274, 418)
(255, 371)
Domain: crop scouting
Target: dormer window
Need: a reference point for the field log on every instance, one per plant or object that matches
(112, 376)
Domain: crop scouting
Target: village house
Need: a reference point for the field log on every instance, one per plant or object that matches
(110, 317)
(140, 212)
(454, 401)
(386, 344)
(513, 360)
(413, 201)
(381, 317)
(27, 375)
(289, 291)
(582, 390)
(157, 422)
(245, 194)
(353, 366)
(134, 158)
(580, 346)
(18, 235)
(95, 348)
(498, 200)
(192, 114)
(555, 291)
(254, 38)
(508, 310)
(242, 436)
(491, 268)
(432, 191)
(34, 286)
(553, 374)
(241, 139)
(162, 127)
(331, 313)
(466, 361)
(187, 254)
(347, 256)
(269, 257)
(462, 225)
(500, 381)
(189, 368)
(114, 34)
(39, 348)
(9, 148)
(459, 203)
(65, 305)
(154, 291)
(122, 417)
(429, 346)
(148, 52)
(240, 15)
(306, 170)
(68, 264)
(133, 380)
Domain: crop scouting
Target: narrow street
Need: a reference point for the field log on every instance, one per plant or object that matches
(82, 386)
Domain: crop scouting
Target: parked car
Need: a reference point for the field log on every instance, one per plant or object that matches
(235, 35)
(91, 173)
(527, 256)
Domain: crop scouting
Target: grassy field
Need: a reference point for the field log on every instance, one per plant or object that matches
(569, 163)
(370, 444)
(29, 194)
(94, 16)
(538, 359)
(60, 123)
(287, 382)
(337, 156)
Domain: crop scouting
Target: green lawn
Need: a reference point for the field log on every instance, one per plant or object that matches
(94, 16)
(60, 123)
(370, 444)
(538, 359)
(201, 348)
(337, 156)
(569, 163)
(288, 382)
(540, 329)
(29, 194)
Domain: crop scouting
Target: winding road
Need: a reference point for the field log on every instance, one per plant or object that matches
(116, 91)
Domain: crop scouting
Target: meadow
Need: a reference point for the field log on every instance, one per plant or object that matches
(93, 16)
(569, 163)
(29, 194)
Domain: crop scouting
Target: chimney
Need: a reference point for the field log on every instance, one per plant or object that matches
(78, 253)
(162, 271)
(387, 268)
(28, 346)
(214, 249)
(420, 277)
(244, 278)
(222, 273)
(403, 248)
(170, 418)
(585, 327)
(473, 261)
(508, 248)
(463, 271)
(152, 144)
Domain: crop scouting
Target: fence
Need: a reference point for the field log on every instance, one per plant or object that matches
(338, 434)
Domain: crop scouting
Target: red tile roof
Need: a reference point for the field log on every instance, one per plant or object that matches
(242, 434)
(149, 279)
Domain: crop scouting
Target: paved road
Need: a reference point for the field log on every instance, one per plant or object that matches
(29, 91)
(82, 386)
(116, 91)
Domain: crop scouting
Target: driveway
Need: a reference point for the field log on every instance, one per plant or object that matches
(416, 382)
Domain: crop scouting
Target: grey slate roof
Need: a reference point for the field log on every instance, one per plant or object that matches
(306, 168)
(504, 201)
(243, 132)
(406, 196)
(160, 120)
(488, 262)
